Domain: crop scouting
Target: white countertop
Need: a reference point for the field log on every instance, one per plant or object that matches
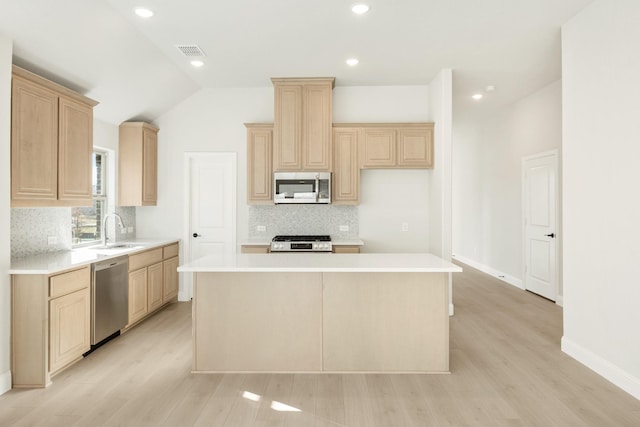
(54, 262)
(322, 262)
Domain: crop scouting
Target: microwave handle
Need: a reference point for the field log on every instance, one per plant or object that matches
(317, 187)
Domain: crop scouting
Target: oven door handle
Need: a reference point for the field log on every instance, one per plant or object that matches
(317, 187)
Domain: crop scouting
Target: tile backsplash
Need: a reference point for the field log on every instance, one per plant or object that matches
(303, 219)
(32, 228)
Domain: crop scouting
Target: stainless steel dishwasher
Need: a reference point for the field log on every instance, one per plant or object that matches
(109, 298)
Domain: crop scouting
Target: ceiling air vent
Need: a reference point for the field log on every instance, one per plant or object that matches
(191, 50)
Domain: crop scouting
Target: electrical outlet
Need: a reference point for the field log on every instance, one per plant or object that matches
(261, 228)
(405, 226)
(52, 240)
(344, 228)
(129, 229)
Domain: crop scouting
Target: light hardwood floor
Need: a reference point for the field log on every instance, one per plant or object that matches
(507, 370)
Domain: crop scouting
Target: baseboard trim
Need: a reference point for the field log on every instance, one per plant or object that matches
(514, 281)
(5, 382)
(560, 300)
(602, 367)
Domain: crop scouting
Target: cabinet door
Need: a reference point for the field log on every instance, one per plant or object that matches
(415, 148)
(75, 147)
(154, 281)
(170, 279)
(346, 174)
(34, 143)
(69, 319)
(259, 165)
(378, 148)
(137, 295)
(316, 140)
(149, 168)
(287, 132)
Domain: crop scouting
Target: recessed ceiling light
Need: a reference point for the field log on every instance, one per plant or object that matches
(360, 8)
(477, 96)
(143, 12)
(197, 63)
(352, 62)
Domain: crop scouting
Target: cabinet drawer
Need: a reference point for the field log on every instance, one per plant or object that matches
(144, 259)
(170, 251)
(66, 283)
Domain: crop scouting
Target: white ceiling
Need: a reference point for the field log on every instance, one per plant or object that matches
(132, 66)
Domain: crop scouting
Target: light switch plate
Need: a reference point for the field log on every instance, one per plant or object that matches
(344, 228)
(261, 228)
(405, 226)
(52, 240)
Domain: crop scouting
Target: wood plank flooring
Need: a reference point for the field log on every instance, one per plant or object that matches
(507, 370)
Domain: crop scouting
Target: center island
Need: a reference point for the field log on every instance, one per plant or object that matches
(311, 312)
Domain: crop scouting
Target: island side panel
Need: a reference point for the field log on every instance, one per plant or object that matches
(269, 322)
(386, 322)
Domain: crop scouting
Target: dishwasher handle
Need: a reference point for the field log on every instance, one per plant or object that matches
(110, 263)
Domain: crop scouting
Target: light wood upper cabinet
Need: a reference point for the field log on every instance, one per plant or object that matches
(51, 143)
(138, 164)
(400, 145)
(259, 163)
(378, 147)
(302, 128)
(75, 149)
(415, 147)
(346, 173)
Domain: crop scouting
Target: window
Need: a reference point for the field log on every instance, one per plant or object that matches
(86, 222)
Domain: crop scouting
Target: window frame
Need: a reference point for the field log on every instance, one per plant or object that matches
(103, 197)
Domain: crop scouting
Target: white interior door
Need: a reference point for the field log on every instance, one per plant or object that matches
(211, 217)
(540, 203)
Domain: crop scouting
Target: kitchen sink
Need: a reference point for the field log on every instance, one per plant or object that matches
(114, 248)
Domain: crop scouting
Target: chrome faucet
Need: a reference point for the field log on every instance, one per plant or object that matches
(104, 227)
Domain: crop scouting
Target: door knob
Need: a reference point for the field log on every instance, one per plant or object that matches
(552, 235)
(196, 235)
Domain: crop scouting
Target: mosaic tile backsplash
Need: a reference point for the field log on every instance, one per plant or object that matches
(32, 227)
(303, 219)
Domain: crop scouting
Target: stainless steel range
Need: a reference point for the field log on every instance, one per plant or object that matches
(301, 244)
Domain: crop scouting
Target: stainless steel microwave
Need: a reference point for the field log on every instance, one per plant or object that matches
(302, 187)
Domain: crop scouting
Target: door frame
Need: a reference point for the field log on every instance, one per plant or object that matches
(558, 261)
(186, 292)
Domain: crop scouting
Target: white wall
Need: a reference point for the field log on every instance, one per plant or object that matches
(389, 198)
(212, 120)
(441, 113)
(6, 48)
(601, 144)
(487, 192)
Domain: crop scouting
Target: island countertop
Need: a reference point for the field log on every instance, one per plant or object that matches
(322, 262)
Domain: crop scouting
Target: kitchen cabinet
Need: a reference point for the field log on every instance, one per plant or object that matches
(302, 128)
(138, 164)
(399, 146)
(259, 163)
(346, 249)
(346, 173)
(255, 249)
(50, 324)
(153, 281)
(51, 143)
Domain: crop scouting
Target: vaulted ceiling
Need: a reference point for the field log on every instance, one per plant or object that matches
(133, 67)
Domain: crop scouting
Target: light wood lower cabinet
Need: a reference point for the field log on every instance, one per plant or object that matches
(346, 249)
(137, 295)
(153, 281)
(170, 279)
(50, 324)
(69, 328)
(255, 249)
